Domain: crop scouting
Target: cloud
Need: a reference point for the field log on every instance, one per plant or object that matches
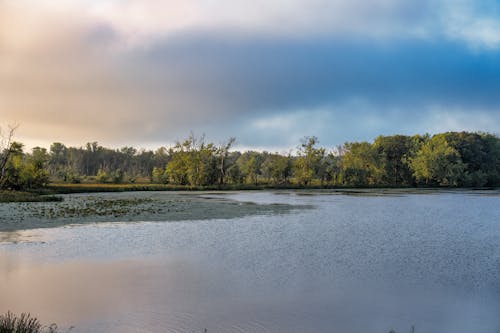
(359, 120)
(477, 23)
(442, 119)
(149, 71)
(142, 23)
(139, 20)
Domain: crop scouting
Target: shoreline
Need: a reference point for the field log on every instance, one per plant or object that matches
(51, 192)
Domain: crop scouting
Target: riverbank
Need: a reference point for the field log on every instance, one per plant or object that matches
(19, 196)
(52, 192)
(66, 188)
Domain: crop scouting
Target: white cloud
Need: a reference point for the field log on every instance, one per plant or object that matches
(448, 118)
(138, 19)
(142, 22)
(477, 23)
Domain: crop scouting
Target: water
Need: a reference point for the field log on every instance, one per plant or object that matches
(353, 263)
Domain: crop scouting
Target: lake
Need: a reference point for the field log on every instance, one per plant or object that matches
(346, 262)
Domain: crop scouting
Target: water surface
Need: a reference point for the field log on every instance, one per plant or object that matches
(368, 262)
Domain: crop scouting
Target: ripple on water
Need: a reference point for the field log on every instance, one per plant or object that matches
(352, 264)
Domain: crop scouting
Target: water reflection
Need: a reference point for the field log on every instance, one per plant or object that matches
(19, 236)
(353, 264)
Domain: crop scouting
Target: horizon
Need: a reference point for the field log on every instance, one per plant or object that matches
(235, 147)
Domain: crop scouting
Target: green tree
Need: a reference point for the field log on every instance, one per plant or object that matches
(361, 164)
(394, 152)
(193, 162)
(103, 176)
(307, 163)
(159, 176)
(12, 178)
(251, 169)
(235, 175)
(58, 161)
(35, 172)
(438, 163)
(330, 169)
(281, 169)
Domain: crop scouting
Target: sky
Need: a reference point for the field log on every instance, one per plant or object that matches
(268, 72)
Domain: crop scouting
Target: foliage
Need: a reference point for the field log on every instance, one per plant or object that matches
(307, 163)
(250, 165)
(394, 153)
(25, 172)
(159, 176)
(449, 159)
(361, 164)
(277, 168)
(438, 163)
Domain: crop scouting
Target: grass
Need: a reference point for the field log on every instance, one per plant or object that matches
(18, 196)
(66, 188)
(24, 323)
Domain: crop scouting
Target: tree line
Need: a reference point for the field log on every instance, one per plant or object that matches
(452, 159)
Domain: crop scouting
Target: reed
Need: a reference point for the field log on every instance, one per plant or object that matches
(24, 323)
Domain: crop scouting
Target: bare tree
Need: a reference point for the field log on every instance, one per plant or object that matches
(6, 140)
(223, 151)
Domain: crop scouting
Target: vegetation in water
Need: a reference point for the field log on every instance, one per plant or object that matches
(128, 207)
(24, 323)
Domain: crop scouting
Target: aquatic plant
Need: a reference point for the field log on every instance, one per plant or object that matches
(24, 323)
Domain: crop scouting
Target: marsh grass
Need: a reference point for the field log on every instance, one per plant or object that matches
(67, 188)
(16, 196)
(24, 323)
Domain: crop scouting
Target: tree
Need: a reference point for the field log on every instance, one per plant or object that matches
(249, 164)
(330, 168)
(58, 162)
(222, 156)
(12, 178)
(277, 167)
(251, 169)
(306, 165)
(361, 164)
(117, 176)
(6, 150)
(394, 152)
(235, 175)
(438, 163)
(159, 176)
(35, 174)
(193, 162)
(103, 176)
(479, 155)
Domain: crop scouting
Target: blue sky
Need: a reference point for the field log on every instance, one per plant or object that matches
(267, 72)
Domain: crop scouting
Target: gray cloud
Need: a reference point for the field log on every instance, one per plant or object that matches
(88, 76)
